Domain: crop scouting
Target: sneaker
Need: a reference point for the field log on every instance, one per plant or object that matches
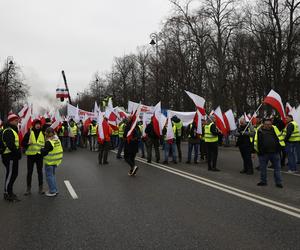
(50, 194)
(5, 196)
(175, 162)
(119, 157)
(290, 171)
(149, 161)
(165, 162)
(279, 185)
(41, 190)
(129, 173)
(261, 184)
(135, 169)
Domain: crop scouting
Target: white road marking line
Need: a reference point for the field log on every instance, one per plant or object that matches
(228, 189)
(242, 194)
(71, 190)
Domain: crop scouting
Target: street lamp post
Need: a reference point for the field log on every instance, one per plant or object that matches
(154, 42)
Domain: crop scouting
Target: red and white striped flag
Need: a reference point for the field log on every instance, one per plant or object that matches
(274, 100)
(220, 121)
(198, 100)
(134, 120)
(229, 120)
(156, 120)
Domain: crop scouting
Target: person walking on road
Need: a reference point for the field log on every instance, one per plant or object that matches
(32, 142)
(53, 155)
(244, 142)
(291, 136)
(267, 143)
(131, 146)
(211, 137)
(11, 156)
(93, 135)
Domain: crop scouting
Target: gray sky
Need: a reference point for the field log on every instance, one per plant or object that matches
(79, 36)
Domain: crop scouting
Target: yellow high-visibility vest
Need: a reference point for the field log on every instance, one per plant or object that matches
(17, 143)
(178, 126)
(278, 134)
(54, 157)
(121, 130)
(74, 129)
(36, 145)
(295, 136)
(93, 129)
(209, 136)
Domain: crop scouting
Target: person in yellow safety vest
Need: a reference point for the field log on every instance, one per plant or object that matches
(121, 138)
(211, 137)
(267, 143)
(32, 142)
(140, 139)
(73, 135)
(11, 156)
(93, 135)
(53, 155)
(178, 134)
(169, 145)
(115, 136)
(245, 145)
(291, 135)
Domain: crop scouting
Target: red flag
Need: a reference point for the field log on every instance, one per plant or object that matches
(134, 120)
(156, 120)
(227, 127)
(274, 100)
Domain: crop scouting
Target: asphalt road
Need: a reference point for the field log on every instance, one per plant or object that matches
(158, 209)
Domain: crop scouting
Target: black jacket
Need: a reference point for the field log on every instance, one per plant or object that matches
(9, 140)
(131, 146)
(263, 141)
(150, 131)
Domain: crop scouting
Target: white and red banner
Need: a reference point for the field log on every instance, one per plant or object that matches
(198, 100)
(229, 120)
(220, 121)
(132, 106)
(157, 120)
(134, 120)
(274, 100)
(186, 117)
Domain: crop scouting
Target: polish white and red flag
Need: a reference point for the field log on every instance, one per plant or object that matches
(25, 124)
(288, 108)
(57, 120)
(198, 100)
(100, 126)
(274, 100)
(23, 111)
(134, 121)
(156, 119)
(220, 121)
(198, 121)
(229, 120)
(170, 133)
(246, 117)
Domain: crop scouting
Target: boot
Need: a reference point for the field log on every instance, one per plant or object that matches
(28, 191)
(41, 190)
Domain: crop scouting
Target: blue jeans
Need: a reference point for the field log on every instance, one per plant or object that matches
(191, 146)
(263, 162)
(298, 152)
(141, 146)
(167, 151)
(291, 150)
(50, 177)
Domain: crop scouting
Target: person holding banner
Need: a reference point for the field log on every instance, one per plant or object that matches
(104, 144)
(244, 143)
(211, 137)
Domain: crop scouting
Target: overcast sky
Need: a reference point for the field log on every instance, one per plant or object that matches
(79, 36)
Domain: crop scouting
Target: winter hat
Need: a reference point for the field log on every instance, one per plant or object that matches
(12, 117)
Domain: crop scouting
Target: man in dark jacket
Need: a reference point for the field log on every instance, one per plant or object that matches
(244, 142)
(152, 140)
(11, 156)
(131, 146)
(193, 142)
(32, 142)
(267, 143)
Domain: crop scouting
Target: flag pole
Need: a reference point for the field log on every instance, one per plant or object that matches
(252, 118)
